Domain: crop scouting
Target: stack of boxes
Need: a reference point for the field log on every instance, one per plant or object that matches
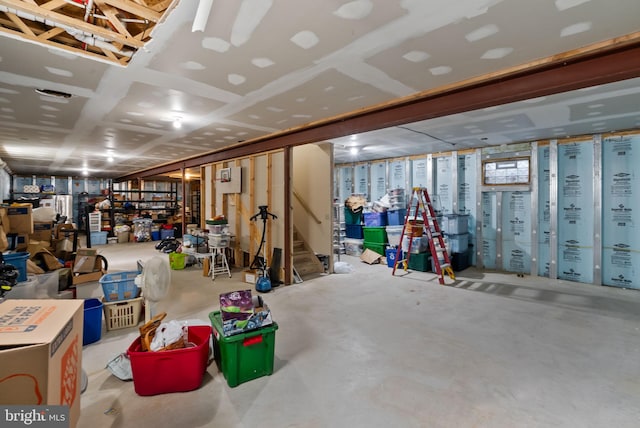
(353, 244)
(374, 232)
(456, 228)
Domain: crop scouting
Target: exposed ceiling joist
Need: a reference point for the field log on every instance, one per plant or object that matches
(112, 29)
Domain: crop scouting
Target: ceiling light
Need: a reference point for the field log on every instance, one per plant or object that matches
(177, 123)
(354, 151)
(110, 158)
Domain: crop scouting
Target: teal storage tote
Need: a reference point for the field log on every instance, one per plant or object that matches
(352, 218)
(420, 262)
(375, 235)
(245, 356)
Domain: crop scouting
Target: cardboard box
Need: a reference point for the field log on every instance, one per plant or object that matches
(249, 276)
(41, 353)
(20, 218)
(370, 257)
(42, 231)
(4, 219)
(82, 278)
(22, 242)
(63, 230)
(85, 261)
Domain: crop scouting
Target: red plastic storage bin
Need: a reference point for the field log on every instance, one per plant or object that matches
(177, 370)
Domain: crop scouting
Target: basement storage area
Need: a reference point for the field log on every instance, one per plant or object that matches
(559, 209)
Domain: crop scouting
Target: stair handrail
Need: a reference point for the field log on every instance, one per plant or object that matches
(306, 207)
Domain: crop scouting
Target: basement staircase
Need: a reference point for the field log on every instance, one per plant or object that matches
(306, 264)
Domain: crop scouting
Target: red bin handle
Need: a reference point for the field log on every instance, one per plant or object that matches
(252, 340)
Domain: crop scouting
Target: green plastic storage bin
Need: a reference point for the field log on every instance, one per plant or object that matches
(245, 356)
(375, 234)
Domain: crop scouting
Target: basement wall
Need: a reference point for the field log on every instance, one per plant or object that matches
(575, 218)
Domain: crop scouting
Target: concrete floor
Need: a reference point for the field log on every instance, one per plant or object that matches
(366, 349)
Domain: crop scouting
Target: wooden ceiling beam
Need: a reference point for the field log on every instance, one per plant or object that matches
(112, 14)
(53, 32)
(136, 9)
(20, 24)
(73, 22)
(48, 42)
(53, 4)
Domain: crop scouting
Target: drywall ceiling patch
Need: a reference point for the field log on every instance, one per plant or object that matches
(275, 109)
(126, 120)
(416, 56)
(481, 33)
(305, 39)
(59, 72)
(438, 71)
(357, 9)
(496, 53)
(192, 65)
(135, 113)
(578, 28)
(145, 104)
(215, 44)
(568, 4)
(262, 62)
(6, 109)
(236, 79)
(249, 17)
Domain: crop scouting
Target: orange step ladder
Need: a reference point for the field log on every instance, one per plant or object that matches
(420, 207)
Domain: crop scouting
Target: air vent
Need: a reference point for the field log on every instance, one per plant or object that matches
(52, 93)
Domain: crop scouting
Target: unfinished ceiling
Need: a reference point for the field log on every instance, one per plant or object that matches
(261, 67)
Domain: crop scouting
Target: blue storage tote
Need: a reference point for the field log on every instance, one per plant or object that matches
(119, 285)
(354, 231)
(166, 233)
(19, 261)
(396, 217)
(375, 219)
(98, 238)
(92, 331)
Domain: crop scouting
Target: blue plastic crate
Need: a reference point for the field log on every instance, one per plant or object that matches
(375, 219)
(354, 231)
(98, 238)
(396, 217)
(120, 286)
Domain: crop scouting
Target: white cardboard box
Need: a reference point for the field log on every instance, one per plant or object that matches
(41, 353)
